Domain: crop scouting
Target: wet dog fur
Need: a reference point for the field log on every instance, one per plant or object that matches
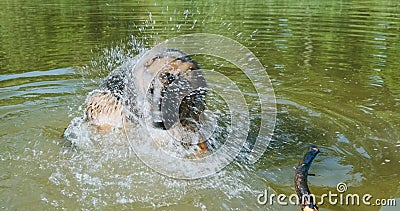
(113, 104)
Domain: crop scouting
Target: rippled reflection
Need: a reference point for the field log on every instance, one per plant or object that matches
(334, 67)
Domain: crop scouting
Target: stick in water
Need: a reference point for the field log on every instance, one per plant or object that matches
(307, 201)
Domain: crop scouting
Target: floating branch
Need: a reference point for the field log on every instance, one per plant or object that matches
(307, 200)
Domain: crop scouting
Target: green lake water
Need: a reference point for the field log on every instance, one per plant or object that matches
(334, 67)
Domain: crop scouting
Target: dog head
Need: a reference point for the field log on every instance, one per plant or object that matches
(176, 93)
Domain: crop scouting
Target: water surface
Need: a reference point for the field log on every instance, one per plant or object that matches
(333, 64)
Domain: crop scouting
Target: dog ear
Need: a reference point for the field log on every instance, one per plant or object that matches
(103, 109)
(185, 105)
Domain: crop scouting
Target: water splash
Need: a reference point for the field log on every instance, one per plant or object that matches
(103, 170)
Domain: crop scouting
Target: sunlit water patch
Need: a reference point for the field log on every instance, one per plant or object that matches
(334, 67)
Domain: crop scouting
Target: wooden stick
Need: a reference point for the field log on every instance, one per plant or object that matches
(307, 202)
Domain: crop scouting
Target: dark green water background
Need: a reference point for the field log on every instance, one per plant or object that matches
(334, 66)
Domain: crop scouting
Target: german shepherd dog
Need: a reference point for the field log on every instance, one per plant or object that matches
(176, 96)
